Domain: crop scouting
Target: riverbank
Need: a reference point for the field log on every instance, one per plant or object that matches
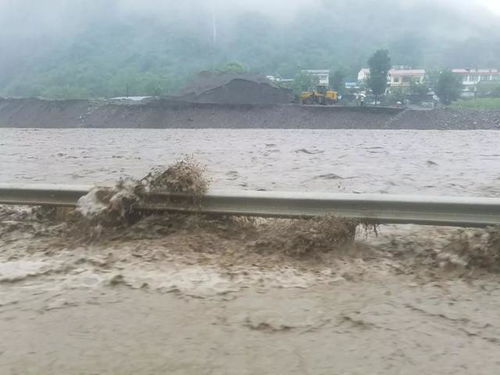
(38, 113)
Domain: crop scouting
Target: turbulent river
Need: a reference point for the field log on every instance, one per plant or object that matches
(365, 161)
(224, 297)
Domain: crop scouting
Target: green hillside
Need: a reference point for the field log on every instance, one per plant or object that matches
(101, 49)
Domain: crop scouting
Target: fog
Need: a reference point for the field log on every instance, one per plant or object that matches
(37, 17)
(70, 43)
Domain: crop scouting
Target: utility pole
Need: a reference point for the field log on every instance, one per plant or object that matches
(214, 33)
(214, 25)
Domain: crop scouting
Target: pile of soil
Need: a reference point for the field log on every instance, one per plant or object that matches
(205, 81)
(242, 91)
(233, 88)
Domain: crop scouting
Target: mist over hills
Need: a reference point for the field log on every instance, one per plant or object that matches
(105, 48)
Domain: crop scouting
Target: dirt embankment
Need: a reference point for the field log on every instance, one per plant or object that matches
(176, 114)
(447, 119)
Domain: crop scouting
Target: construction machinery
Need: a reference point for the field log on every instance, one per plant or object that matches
(322, 96)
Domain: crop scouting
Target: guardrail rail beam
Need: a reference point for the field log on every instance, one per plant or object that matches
(371, 208)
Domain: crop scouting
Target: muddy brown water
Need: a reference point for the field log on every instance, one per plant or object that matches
(139, 307)
(366, 161)
(390, 327)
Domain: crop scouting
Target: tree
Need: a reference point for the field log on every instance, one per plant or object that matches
(338, 81)
(379, 64)
(398, 94)
(488, 89)
(418, 92)
(448, 87)
(105, 48)
(303, 82)
(432, 77)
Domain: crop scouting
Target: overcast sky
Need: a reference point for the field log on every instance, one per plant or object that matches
(59, 16)
(493, 5)
(287, 7)
(275, 6)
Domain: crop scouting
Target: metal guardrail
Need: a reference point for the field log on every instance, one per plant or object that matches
(371, 208)
(42, 195)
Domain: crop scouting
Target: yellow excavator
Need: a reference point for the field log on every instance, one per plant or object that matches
(322, 96)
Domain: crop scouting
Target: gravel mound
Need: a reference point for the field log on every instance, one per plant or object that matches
(214, 109)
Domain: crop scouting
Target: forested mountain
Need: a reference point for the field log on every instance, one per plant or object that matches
(105, 48)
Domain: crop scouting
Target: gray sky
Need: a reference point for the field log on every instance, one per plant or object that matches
(277, 7)
(61, 16)
(284, 8)
(493, 5)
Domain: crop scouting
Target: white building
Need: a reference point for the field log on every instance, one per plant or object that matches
(397, 77)
(471, 77)
(363, 75)
(323, 76)
(402, 78)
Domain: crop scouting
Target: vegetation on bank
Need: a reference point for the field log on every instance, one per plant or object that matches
(105, 50)
(448, 87)
(479, 103)
(380, 64)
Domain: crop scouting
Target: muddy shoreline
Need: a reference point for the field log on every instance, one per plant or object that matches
(165, 113)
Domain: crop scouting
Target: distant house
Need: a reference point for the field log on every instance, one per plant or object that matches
(470, 78)
(322, 75)
(398, 77)
(363, 75)
(402, 78)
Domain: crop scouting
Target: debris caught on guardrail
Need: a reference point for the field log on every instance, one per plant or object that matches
(116, 205)
(186, 176)
(473, 248)
(309, 237)
(229, 240)
(113, 208)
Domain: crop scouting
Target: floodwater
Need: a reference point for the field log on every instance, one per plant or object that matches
(365, 161)
(180, 303)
